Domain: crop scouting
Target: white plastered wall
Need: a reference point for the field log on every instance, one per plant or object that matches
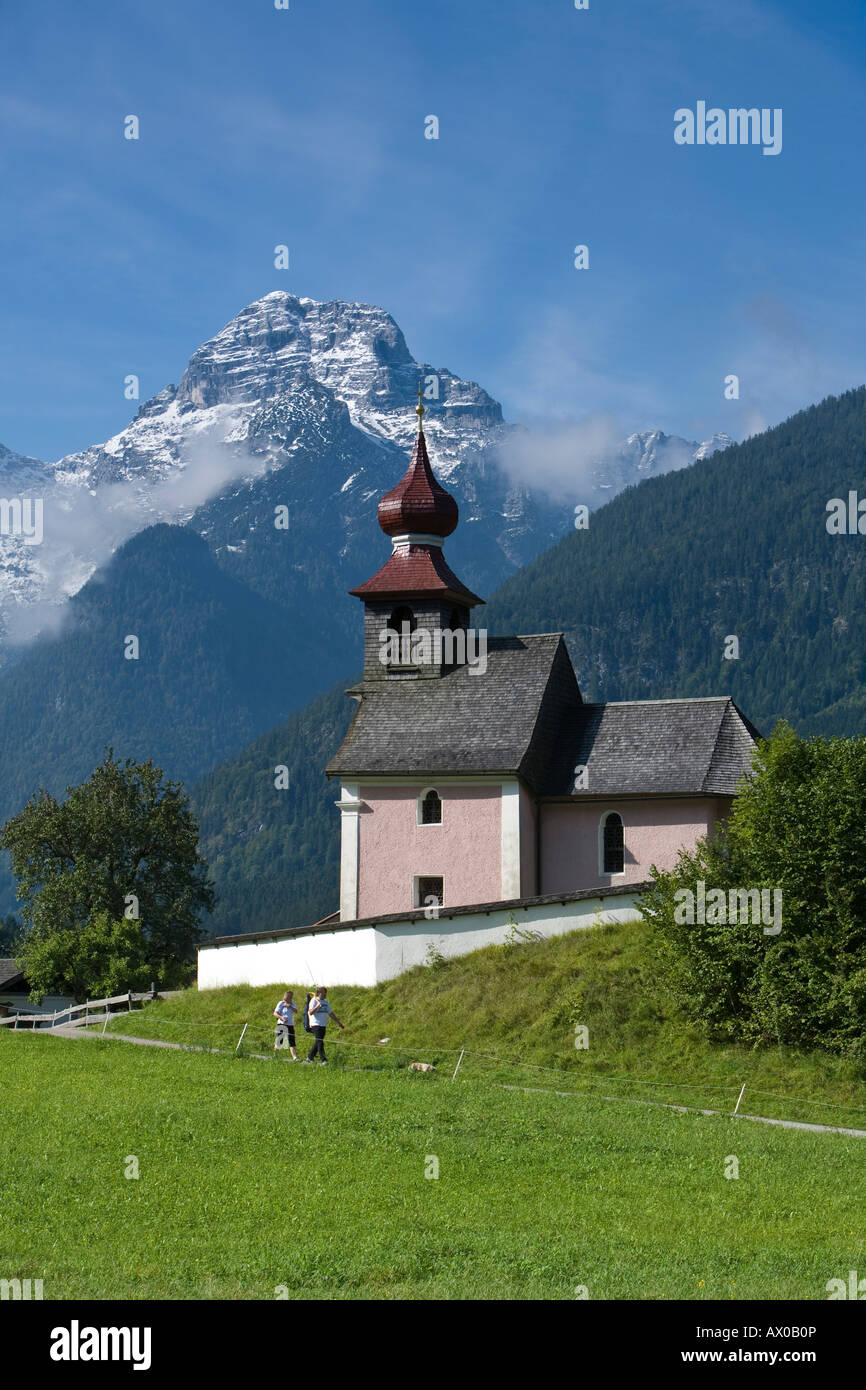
(510, 840)
(371, 954)
(350, 810)
(323, 958)
(402, 945)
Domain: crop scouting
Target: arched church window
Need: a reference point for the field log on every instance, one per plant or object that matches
(402, 624)
(613, 844)
(398, 617)
(430, 808)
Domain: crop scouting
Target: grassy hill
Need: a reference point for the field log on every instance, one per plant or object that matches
(259, 1179)
(514, 1010)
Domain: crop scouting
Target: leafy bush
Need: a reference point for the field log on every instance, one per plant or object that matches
(798, 826)
(433, 957)
(102, 958)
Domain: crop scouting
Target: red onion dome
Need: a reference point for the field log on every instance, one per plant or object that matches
(418, 505)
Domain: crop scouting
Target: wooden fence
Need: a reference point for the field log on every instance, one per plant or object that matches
(100, 1007)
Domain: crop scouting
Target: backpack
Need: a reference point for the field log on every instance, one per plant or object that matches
(307, 1028)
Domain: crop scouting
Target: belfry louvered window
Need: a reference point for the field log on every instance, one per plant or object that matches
(398, 617)
(402, 623)
(613, 844)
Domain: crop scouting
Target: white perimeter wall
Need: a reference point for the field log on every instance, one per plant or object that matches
(326, 958)
(399, 946)
(371, 954)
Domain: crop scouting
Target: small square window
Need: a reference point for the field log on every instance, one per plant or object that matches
(428, 892)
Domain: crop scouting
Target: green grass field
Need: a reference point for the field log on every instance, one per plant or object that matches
(260, 1179)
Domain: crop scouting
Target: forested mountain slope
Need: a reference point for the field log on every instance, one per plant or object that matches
(735, 546)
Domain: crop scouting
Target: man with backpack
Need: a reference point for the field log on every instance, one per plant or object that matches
(319, 1011)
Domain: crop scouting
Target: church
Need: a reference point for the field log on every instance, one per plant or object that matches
(480, 794)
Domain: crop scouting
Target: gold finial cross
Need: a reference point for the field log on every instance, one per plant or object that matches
(419, 409)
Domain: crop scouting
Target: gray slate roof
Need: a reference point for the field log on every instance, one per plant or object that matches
(10, 974)
(659, 747)
(460, 722)
(525, 717)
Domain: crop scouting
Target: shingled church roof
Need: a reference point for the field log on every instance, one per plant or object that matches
(657, 747)
(416, 569)
(525, 717)
(419, 502)
(417, 514)
(464, 722)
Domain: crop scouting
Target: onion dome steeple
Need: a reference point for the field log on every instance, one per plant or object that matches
(417, 514)
(418, 505)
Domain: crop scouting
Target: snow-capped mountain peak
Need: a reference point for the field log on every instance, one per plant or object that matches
(315, 389)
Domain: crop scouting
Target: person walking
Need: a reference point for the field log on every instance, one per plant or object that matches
(284, 1013)
(320, 1011)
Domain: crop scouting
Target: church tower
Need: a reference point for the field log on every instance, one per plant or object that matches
(416, 610)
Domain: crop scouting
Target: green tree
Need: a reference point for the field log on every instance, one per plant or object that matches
(124, 844)
(10, 929)
(798, 826)
(100, 959)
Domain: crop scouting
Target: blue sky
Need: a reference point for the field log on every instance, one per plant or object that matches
(306, 127)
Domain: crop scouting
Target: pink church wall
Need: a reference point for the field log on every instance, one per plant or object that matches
(465, 850)
(654, 833)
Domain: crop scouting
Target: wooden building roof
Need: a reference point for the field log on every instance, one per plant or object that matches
(525, 717)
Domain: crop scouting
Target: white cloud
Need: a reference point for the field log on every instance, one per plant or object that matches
(563, 456)
(84, 526)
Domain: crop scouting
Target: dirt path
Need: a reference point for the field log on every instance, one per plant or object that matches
(694, 1110)
(70, 1030)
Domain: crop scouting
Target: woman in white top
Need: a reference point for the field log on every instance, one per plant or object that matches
(319, 1012)
(284, 1013)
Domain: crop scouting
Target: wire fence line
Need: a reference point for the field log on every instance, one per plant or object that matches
(581, 1081)
(692, 1109)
